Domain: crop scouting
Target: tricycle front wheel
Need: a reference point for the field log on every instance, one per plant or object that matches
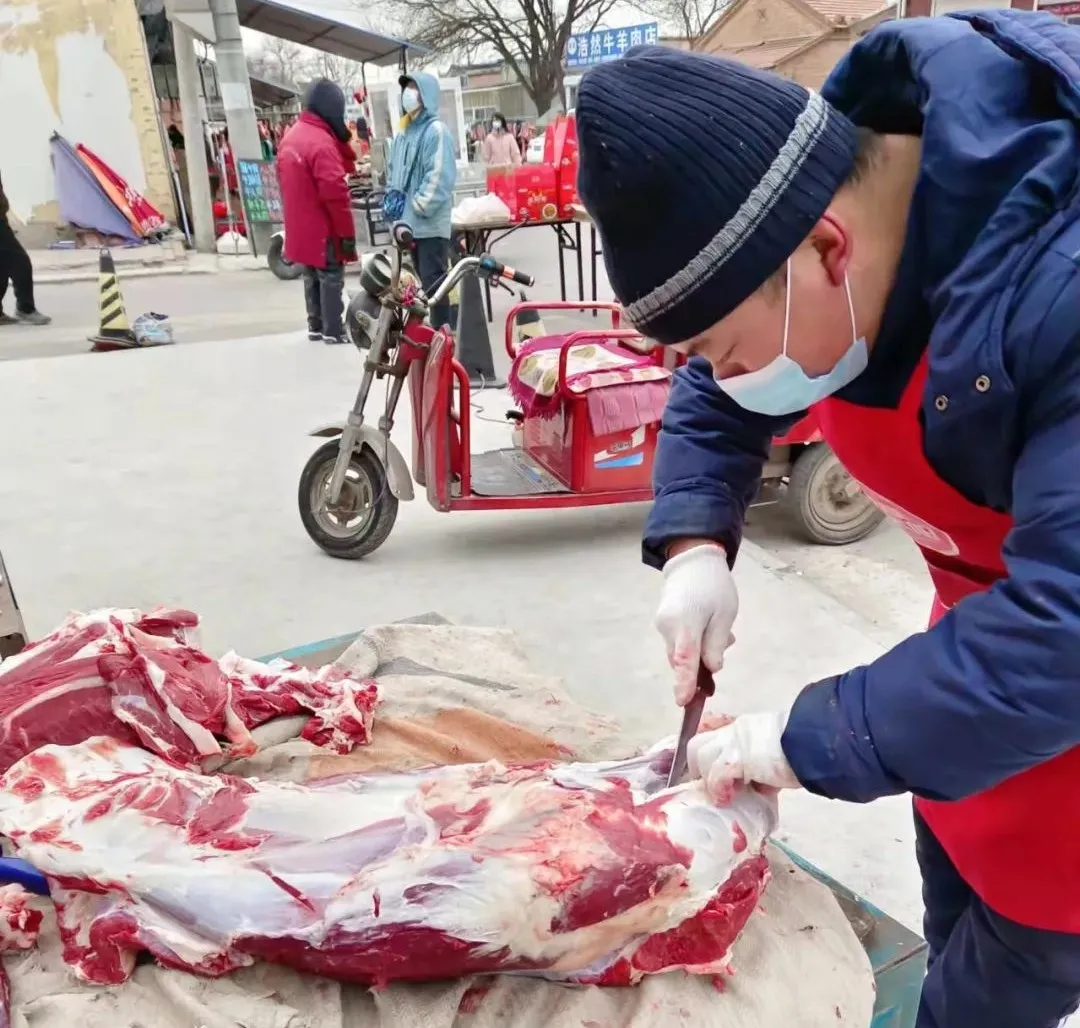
(359, 523)
(827, 505)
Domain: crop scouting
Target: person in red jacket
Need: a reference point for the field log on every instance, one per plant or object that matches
(319, 231)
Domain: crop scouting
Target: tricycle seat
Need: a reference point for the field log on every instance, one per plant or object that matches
(549, 372)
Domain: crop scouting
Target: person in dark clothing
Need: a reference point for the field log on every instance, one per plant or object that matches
(15, 266)
(319, 229)
(900, 255)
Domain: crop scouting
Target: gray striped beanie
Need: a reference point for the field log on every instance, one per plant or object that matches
(702, 176)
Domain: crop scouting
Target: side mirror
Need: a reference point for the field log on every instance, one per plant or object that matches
(403, 236)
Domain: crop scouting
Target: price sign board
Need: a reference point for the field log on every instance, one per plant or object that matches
(260, 192)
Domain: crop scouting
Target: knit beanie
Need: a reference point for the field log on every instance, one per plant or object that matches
(702, 176)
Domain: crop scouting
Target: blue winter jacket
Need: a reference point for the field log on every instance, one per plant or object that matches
(989, 280)
(422, 165)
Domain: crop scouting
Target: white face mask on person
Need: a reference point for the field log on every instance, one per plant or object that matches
(410, 99)
(782, 387)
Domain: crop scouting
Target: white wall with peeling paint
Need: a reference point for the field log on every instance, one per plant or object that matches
(95, 105)
(92, 107)
(27, 120)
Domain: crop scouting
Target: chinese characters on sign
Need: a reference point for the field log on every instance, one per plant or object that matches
(585, 49)
(259, 191)
(1067, 9)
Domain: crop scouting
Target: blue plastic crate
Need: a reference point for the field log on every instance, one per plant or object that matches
(897, 955)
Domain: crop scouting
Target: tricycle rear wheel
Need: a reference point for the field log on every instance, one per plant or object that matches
(827, 505)
(359, 523)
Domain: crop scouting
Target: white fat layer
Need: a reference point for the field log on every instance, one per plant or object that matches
(365, 854)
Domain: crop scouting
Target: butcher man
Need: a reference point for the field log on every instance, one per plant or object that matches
(902, 250)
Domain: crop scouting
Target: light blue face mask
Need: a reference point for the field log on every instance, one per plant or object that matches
(782, 387)
(410, 99)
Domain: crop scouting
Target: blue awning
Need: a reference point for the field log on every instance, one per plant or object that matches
(329, 25)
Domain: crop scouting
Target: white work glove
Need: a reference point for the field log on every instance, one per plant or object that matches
(698, 604)
(746, 751)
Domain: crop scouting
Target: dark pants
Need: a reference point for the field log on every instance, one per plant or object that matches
(324, 295)
(986, 971)
(15, 265)
(432, 262)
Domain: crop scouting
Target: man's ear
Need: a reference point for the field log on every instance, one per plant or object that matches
(831, 239)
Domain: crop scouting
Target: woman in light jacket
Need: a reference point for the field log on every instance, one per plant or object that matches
(500, 147)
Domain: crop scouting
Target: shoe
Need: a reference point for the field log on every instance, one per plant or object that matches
(335, 340)
(33, 318)
(314, 337)
(7, 319)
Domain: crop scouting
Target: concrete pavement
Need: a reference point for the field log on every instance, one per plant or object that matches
(226, 298)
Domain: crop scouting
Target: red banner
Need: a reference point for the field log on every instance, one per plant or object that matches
(145, 218)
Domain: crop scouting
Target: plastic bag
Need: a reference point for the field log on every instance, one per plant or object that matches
(153, 330)
(474, 210)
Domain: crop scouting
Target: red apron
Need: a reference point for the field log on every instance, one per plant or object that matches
(1011, 843)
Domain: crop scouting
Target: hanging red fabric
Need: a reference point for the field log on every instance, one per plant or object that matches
(145, 218)
(1015, 843)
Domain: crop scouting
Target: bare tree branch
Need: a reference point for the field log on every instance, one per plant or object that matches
(281, 61)
(530, 36)
(344, 72)
(693, 18)
(293, 65)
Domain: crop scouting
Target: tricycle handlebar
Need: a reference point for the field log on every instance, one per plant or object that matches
(497, 268)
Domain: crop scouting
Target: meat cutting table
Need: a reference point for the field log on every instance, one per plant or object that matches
(897, 955)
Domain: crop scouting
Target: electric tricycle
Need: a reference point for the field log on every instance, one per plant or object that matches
(584, 433)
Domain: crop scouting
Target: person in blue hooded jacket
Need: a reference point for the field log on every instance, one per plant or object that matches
(903, 251)
(423, 167)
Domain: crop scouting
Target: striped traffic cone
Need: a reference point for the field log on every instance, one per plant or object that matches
(454, 298)
(114, 329)
(528, 324)
(12, 629)
(473, 341)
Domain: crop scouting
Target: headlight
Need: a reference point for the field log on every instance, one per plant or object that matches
(361, 319)
(375, 271)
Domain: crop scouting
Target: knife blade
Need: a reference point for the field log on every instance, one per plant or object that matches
(691, 721)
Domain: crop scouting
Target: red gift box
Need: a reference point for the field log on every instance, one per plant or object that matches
(561, 151)
(500, 181)
(537, 194)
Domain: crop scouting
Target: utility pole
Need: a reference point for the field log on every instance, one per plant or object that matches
(235, 84)
(187, 75)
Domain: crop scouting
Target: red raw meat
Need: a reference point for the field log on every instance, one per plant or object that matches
(20, 925)
(587, 873)
(139, 678)
(341, 708)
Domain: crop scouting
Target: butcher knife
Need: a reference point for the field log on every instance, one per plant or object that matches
(691, 720)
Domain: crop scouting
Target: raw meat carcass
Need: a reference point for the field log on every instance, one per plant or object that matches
(20, 925)
(588, 873)
(139, 678)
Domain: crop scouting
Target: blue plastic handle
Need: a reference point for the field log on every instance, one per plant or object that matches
(14, 871)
